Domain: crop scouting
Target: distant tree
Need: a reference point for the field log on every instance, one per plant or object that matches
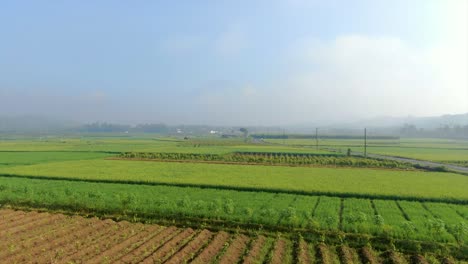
(244, 131)
(104, 127)
(151, 128)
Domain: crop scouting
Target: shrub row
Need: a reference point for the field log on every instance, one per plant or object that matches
(295, 159)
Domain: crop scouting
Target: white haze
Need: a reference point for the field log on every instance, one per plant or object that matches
(348, 77)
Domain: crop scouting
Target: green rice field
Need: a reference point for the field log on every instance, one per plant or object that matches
(370, 182)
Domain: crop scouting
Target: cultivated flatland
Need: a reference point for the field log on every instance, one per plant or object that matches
(142, 144)
(309, 195)
(251, 209)
(372, 182)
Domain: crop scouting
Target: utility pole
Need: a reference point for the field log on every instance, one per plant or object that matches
(316, 138)
(284, 137)
(365, 142)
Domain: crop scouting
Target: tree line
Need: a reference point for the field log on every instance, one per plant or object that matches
(446, 131)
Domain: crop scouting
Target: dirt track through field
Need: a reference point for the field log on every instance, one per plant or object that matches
(34, 237)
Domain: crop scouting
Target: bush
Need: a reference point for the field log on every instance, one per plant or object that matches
(298, 159)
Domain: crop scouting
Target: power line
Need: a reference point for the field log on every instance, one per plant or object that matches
(365, 142)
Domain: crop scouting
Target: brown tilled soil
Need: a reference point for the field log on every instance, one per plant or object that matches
(368, 256)
(213, 249)
(89, 247)
(235, 250)
(323, 254)
(418, 259)
(34, 237)
(126, 241)
(170, 247)
(185, 254)
(303, 256)
(392, 257)
(346, 255)
(448, 261)
(145, 249)
(255, 250)
(279, 252)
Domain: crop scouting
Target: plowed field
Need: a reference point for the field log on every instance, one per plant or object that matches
(34, 237)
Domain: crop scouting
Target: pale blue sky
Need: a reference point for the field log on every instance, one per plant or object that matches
(232, 62)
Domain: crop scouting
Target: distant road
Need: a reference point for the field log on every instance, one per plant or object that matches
(414, 161)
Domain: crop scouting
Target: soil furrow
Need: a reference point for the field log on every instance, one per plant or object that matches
(346, 255)
(144, 250)
(235, 250)
(418, 259)
(255, 250)
(15, 246)
(368, 256)
(212, 250)
(447, 260)
(134, 240)
(160, 254)
(19, 220)
(89, 250)
(34, 232)
(323, 254)
(54, 243)
(5, 214)
(279, 252)
(31, 225)
(303, 254)
(393, 257)
(187, 252)
(80, 248)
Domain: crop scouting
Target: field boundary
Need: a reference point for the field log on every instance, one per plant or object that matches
(248, 189)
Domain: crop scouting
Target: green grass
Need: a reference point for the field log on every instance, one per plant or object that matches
(366, 182)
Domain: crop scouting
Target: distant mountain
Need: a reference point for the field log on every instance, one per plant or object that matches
(379, 125)
(420, 122)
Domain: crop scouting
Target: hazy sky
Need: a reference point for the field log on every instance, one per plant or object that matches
(233, 62)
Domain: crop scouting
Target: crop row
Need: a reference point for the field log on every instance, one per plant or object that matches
(296, 159)
(45, 238)
(408, 220)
